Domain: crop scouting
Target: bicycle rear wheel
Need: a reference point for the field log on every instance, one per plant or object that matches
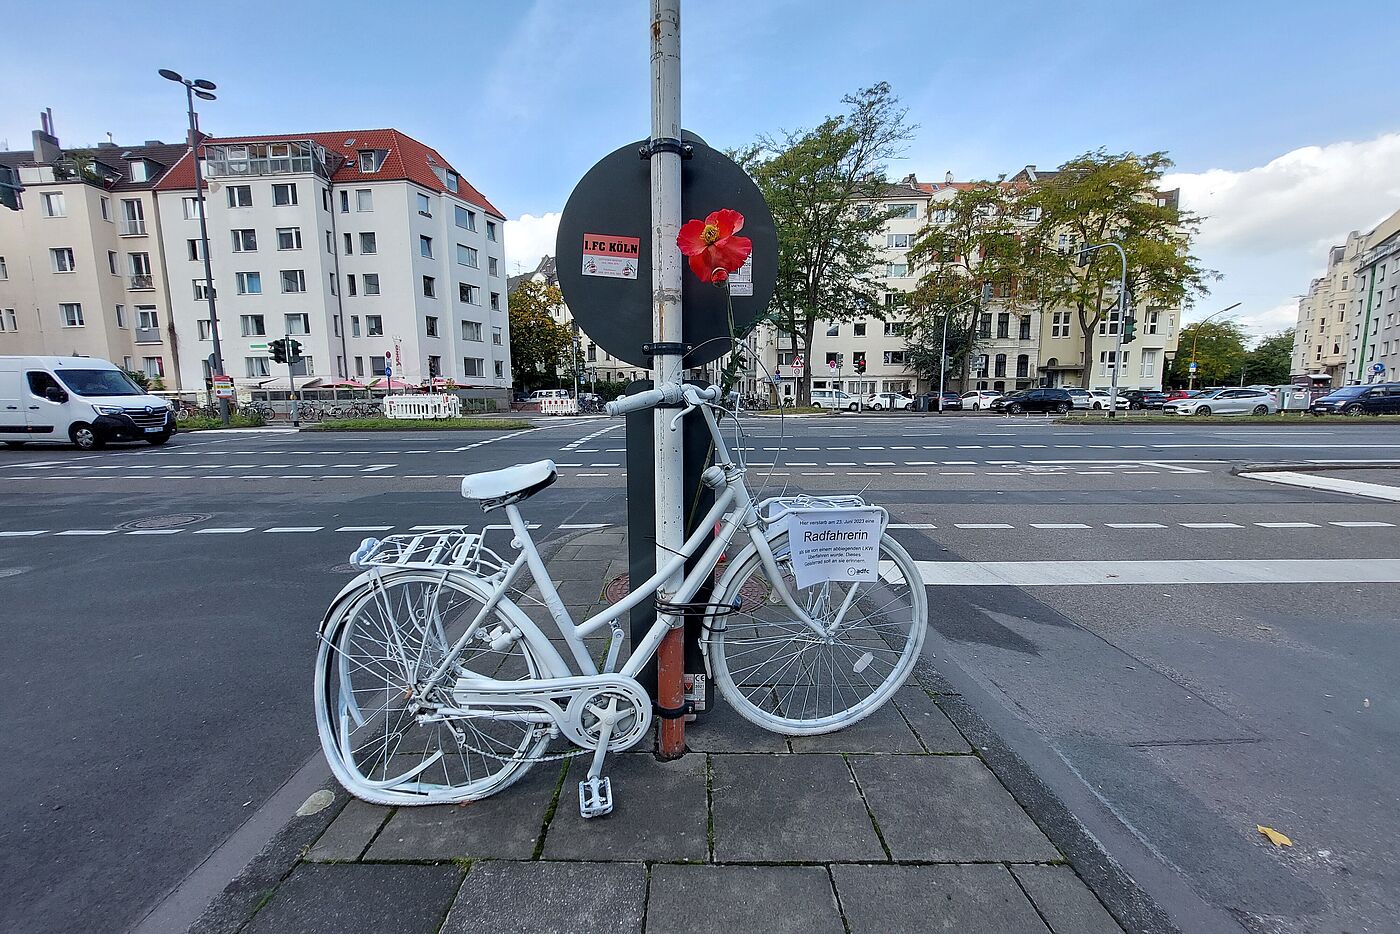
(375, 652)
(781, 675)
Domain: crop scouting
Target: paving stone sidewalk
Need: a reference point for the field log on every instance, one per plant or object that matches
(893, 825)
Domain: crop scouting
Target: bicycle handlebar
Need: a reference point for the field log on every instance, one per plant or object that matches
(673, 393)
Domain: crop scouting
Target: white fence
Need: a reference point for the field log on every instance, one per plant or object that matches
(558, 407)
(441, 405)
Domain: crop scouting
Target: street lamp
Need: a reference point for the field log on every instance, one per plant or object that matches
(1195, 335)
(201, 88)
(1123, 312)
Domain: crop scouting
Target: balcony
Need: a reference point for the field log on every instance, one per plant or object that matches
(147, 335)
(282, 158)
(132, 227)
(144, 283)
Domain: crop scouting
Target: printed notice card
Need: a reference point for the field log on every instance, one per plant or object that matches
(835, 544)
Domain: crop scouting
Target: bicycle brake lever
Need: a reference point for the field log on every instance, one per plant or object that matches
(675, 422)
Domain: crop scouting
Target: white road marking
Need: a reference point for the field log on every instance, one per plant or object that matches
(1058, 525)
(912, 525)
(222, 531)
(1363, 525)
(296, 528)
(373, 467)
(365, 528)
(1287, 525)
(87, 532)
(23, 534)
(983, 525)
(1134, 525)
(155, 532)
(1330, 484)
(585, 525)
(1158, 573)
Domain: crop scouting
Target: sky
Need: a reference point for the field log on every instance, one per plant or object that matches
(1280, 117)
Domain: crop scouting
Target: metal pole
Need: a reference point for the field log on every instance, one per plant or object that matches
(942, 362)
(1122, 321)
(574, 346)
(1195, 334)
(291, 380)
(204, 248)
(666, 330)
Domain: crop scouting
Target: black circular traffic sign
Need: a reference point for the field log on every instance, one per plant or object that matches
(603, 253)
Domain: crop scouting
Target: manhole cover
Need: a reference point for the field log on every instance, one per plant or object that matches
(164, 522)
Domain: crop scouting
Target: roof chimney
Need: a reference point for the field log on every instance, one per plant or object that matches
(46, 148)
(949, 177)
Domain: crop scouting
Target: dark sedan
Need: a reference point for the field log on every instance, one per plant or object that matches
(928, 402)
(1034, 400)
(1144, 398)
(1375, 399)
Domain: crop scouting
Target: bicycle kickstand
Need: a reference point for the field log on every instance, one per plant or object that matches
(595, 792)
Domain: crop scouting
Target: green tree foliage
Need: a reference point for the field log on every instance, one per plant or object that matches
(538, 343)
(1271, 361)
(1096, 198)
(139, 378)
(1218, 349)
(819, 184)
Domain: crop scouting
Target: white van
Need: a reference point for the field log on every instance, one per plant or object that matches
(833, 399)
(80, 399)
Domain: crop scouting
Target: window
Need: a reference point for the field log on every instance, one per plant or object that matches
(471, 331)
(473, 366)
(894, 328)
(201, 290)
(153, 367)
(53, 204)
(894, 358)
(248, 283)
(429, 287)
(858, 329)
(121, 317)
(592, 353)
(833, 329)
(1023, 366)
(371, 160)
(1059, 324)
(298, 324)
(495, 301)
(430, 326)
(349, 244)
(374, 326)
(146, 318)
(904, 212)
(1152, 319)
(354, 325)
(434, 366)
(984, 324)
(491, 231)
(326, 200)
(1003, 326)
(206, 329)
(999, 365)
(345, 202)
(500, 370)
(195, 250)
(425, 247)
(896, 270)
(62, 259)
(371, 283)
(140, 270)
(289, 238)
(284, 194)
(133, 217)
(293, 280)
(466, 256)
(245, 241)
(1108, 324)
(376, 365)
(350, 284)
(252, 326)
(240, 196)
(7, 320)
(364, 199)
(898, 241)
(72, 314)
(359, 366)
(331, 277)
(1025, 332)
(464, 218)
(469, 293)
(111, 263)
(493, 267)
(191, 206)
(106, 207)
(425, 206)
(368, 244)
(4, 270)
(496, 336)
(254, 367)
(1147, 368)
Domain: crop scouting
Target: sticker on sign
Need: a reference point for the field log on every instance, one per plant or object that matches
(741, 281)
(835, 544)
(611, 257)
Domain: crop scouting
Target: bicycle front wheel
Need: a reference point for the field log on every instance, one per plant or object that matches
(778, 673)
(377, 726)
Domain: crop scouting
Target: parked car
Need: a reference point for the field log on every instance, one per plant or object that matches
(1174, 394)
(1144, 398)
(1080, 398)
(833, 399)
(979, 398)
(1375, 399)
(82, 399)
(894, 401)
(1103, 399)
(1224, 402)
(928, 401)
(1034, 400)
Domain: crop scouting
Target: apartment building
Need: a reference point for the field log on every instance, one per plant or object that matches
(598, 364)
(366, 246)
(1374, 352)
(1327, 315)
(81, 268)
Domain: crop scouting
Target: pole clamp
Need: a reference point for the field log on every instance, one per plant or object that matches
(674, 713)
(666, 144)
(666, 349)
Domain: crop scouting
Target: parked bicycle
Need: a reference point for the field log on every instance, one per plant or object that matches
(432, 685)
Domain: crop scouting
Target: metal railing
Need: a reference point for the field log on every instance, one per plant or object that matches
(142, 283)
(132, 227)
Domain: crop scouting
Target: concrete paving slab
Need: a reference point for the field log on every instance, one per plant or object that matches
(584, 567)
(742, 900)
(505, 826)
(1065, 901)
(883, 731)
(721, 729)
(550, 898)
(929, 722)
(977, 899)
(359, 898)
(789, 808)
(659, 812)
(350, 833)
(947, 808)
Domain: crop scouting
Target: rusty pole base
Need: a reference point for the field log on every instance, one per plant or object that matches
(670, 694)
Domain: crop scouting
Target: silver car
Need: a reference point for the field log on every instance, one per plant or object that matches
(1224, 402)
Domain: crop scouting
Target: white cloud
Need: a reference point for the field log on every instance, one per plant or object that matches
(1268, 228)
(528, 238)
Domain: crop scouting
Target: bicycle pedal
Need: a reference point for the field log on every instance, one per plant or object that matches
(595, 797)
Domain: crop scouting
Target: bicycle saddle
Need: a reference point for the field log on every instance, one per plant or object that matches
(510, 484)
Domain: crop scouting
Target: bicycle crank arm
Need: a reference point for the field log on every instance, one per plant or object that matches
(572, 703)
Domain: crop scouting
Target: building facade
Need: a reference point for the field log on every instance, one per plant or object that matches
(81, 267)
(1327, 315)
(1374, 354)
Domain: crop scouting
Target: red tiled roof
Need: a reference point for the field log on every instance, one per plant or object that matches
(407, 160)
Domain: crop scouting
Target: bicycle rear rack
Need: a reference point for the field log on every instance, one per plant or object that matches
(445, 548)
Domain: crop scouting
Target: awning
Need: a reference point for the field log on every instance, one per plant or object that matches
(281, 384)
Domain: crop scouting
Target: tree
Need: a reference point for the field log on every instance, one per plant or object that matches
(1096, 198)
(1218, 347)
(970, 251)
(538, 343)
(1271, 361)
(822, 185)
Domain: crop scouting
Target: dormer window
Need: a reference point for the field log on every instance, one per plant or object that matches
(371, 159)
(140, 170)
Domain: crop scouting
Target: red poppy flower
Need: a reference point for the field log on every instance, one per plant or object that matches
(712, 246)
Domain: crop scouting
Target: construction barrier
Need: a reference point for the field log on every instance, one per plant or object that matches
(443, 405)
(558, 406)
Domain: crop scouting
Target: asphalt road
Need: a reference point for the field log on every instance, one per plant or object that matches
(160, 607)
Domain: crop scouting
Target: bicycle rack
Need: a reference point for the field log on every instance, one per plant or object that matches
(450, 547)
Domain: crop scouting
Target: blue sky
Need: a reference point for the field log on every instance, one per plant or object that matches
(1279, 116)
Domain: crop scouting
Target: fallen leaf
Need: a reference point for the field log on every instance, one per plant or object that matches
(1276, 838)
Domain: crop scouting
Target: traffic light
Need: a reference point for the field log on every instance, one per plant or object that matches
(278, 349)
(840, 361)
(1129, 329)
(860, 363)
(293, 350)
